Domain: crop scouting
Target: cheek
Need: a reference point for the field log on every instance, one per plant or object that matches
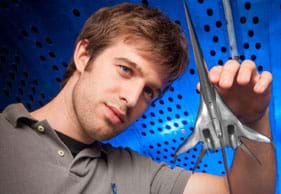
(96, 85)
(138, 110)
(104, 82)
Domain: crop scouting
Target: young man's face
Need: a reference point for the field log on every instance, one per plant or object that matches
(115, 90)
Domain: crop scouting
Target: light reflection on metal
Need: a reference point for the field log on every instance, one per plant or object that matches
(216, 126)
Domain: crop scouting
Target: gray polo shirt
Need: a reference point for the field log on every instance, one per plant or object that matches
(34, 160)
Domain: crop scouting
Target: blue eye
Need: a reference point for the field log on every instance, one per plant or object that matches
(125, 70)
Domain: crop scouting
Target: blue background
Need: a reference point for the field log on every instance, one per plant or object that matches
(36, 44)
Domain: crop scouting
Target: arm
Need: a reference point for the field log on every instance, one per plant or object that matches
(256, 178)
(247, 93)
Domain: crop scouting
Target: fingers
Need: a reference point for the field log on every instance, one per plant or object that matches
(263, 83)
(247, 72)
(223, 76)
(215, 74)
(228, 74)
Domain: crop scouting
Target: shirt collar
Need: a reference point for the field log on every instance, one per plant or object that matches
(17, 114)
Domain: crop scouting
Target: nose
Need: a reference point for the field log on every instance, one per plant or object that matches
(131, 93)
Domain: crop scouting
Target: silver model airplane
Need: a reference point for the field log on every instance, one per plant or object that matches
(216, 126)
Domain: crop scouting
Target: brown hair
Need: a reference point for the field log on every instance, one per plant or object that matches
(166, 39)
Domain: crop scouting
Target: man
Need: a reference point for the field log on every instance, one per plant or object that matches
(124, 58)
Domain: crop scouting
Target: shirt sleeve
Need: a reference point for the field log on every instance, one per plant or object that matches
(168, 181)
(141, 175)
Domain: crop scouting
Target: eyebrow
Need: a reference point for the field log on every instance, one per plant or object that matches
(133, 64)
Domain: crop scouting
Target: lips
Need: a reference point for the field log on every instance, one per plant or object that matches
(118, 113)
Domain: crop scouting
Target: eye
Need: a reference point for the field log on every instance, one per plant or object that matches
(149, 93)
(125, 71)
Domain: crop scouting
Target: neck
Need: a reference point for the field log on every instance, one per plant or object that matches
(60, 114)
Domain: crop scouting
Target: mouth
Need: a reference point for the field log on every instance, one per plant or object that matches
(117, 115)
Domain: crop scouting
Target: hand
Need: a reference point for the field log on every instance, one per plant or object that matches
(246, 92)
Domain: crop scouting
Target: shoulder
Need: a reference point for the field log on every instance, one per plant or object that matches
(126, 158)
(130, 159)
(158, 177)
(124, 154)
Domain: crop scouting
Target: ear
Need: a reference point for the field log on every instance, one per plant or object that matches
(81, 56)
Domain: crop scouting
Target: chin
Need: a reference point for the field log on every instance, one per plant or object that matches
(105, 135)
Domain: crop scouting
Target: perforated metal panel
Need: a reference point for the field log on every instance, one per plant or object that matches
(36, 44)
